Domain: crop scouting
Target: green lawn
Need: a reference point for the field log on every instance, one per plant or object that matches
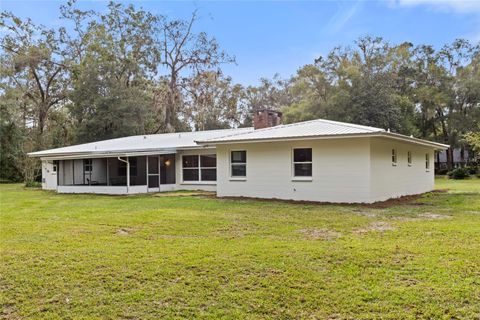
(147, 257)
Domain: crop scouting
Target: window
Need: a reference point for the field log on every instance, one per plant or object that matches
(409, 158)
(238, 161)
(208, 167)
(190, 168)
(54, 167)
(87, 165)
(394, 157)
(122, 167)
(302, 162)
(427, 162)
(199, 167)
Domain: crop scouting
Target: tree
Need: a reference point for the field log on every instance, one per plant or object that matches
(270, 94)
(213, 102)
(104, 108)
(11, 135)
(183, 51)
(116, 58)
(473, 139)
(32, 63)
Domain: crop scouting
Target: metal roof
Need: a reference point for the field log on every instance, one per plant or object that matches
(313, 129)
(170, 142)
(140, 144)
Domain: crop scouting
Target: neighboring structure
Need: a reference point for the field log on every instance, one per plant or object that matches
(316, 160)
(461, 158)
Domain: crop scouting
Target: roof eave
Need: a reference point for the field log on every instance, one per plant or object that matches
(290, 138)
(437, 146)
(397, 136)
(111, 154)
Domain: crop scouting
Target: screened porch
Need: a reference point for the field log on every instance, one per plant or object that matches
(116, 175)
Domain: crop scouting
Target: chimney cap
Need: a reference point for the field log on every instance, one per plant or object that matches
(267, 110)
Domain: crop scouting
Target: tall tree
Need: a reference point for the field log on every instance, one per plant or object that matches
(32, 62)
(116, 58)
(213, 102)
(184, 55)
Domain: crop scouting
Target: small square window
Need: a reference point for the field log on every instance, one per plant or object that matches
(238, 163)
(302, 162)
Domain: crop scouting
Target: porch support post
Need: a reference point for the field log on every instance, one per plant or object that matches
(73, 171)
(128, 174)
(107, 173)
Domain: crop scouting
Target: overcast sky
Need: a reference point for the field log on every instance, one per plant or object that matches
(279, 37)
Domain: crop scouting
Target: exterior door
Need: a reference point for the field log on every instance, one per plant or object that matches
(153, 173)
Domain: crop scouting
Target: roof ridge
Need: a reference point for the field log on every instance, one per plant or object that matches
(345, 124)
(185, 132)
(351, 125)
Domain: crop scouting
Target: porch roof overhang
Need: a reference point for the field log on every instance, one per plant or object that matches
(136, 145)
(113, 154)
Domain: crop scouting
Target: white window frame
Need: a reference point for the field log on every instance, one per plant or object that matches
(301, 178)
(199, 168)
(394, 157)
(427, 162)
(409, 158)
(239, 178)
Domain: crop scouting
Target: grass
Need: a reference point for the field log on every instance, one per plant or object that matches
(194, 256)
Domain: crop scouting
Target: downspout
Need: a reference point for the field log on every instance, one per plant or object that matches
(128, 171)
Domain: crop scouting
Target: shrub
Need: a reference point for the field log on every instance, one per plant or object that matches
(33, 184)
(459, 173)
(472, 169)
(442, 172)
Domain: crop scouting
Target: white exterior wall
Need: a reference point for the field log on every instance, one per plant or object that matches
(340, 169)
(49, 177)
(389, 181)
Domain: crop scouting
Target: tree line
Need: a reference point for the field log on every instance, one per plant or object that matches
(126, 71)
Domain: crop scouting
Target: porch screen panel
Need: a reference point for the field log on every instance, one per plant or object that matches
(139, 172)
(167, 169)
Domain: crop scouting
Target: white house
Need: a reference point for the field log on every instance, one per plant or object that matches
(318, 160)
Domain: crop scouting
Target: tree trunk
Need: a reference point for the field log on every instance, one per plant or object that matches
(450, 159)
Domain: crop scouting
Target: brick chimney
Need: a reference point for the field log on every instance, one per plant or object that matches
(265, 118)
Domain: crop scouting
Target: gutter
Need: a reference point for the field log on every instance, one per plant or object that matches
(128, 171)
(109, 154)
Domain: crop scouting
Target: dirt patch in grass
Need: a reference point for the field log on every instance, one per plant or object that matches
(377, 226)
(423, 216)
(320, 234)
(124, 231)
(433, 216)
(362, 212)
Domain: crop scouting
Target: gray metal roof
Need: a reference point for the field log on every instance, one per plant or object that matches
(170, 142)
(141, 143)
(313, 129)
